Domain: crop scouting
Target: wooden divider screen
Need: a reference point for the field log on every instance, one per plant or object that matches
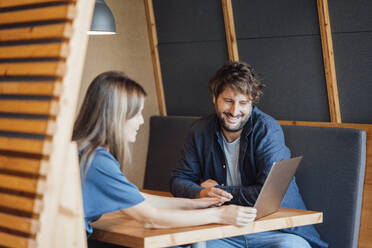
(42, 49)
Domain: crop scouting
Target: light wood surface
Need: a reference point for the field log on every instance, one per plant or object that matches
(51, 50)
(10, 240)
(365, 237)
(52, 31)
(49, 68)
(29, 107)
(48, 88)
(16, 3)
(35, 126)
(27, 165)
(22, 224)
(62, 12)
(153, 39)
(118, 228)
(329, 61)
(228, 16)
(21, 203)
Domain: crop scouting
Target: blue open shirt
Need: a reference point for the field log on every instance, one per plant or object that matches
(106, 189)
(261, 144)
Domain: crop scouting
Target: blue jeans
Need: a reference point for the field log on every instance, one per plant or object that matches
(272, 239)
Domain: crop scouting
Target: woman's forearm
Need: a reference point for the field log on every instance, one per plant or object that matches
(169, 202)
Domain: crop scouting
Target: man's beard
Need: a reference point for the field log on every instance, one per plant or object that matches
(225, 126)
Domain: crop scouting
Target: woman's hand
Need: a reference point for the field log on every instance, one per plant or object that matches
(237, 215)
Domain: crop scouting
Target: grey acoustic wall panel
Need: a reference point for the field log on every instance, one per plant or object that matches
(352, 39)
(281, 40)
(192, 46)
(186, 69)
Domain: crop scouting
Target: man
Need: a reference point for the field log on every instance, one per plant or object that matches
(230, 153)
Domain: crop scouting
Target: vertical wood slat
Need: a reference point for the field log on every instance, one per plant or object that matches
(52, 31)
(21, 224)
(63, 12)
(46, 127)
(151, 28)
(49, 68)
(20, 203)
(228, 16)
(37, 107)
(329, 61)
(33, 146)
(33, 166)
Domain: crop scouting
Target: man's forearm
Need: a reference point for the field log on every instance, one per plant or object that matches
(185, 188)
(244, 196)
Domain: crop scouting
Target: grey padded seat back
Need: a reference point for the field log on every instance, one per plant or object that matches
(330, 178)
(167, 136)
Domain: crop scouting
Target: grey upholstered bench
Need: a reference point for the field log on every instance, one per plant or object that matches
(330, 176)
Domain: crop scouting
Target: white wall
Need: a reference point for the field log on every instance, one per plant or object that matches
(127, 51)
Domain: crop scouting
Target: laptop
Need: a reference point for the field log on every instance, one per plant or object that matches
(276, 186)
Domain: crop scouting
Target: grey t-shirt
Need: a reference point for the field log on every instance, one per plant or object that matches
(232, 156)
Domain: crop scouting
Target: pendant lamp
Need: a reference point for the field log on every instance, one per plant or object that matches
(103, 22)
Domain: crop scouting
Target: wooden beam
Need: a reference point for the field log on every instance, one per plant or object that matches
(29, 185)
(151, 28)
(29, 107)
(17, 3)
(11, 240)
(33, 69)
(329, 61)
(62, 12)
(53, 31)
(24, 164)
(228, 16)
(49, 88)
(20, 203)
(49, 50)
(21, 224)
(46, 127)
(33, 146)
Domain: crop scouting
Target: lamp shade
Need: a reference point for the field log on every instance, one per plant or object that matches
(103, 21)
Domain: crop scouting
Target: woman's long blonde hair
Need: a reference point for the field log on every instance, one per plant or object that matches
(111, 99)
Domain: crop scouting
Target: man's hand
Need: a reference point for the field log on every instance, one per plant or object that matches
(209, 183)
(211, 191)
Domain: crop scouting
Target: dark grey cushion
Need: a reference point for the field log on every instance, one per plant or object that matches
(167, 136)
(330, 178)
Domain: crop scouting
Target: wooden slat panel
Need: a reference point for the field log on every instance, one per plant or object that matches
(329, 61)
(228, 15)
(29, 107)
(25, 165)
(20, 203)
(46, 127)
(64, 12)
(366, 216)
(55, 31)
(22, 224)
(9, 240)
(16, 3)
(153, 38)
(29, 185)
(51, 50)
(25, 145)
(57, 68)
(31, 88)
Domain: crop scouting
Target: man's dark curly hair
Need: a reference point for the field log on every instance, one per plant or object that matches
(239, 76)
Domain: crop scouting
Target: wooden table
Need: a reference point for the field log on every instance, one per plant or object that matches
(120, 229)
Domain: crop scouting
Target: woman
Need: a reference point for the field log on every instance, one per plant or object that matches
(109, 119)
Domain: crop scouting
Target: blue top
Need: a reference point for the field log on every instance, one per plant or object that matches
(261, 144)
(106, 189)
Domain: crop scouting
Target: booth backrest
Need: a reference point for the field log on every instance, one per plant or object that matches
(330, 176)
